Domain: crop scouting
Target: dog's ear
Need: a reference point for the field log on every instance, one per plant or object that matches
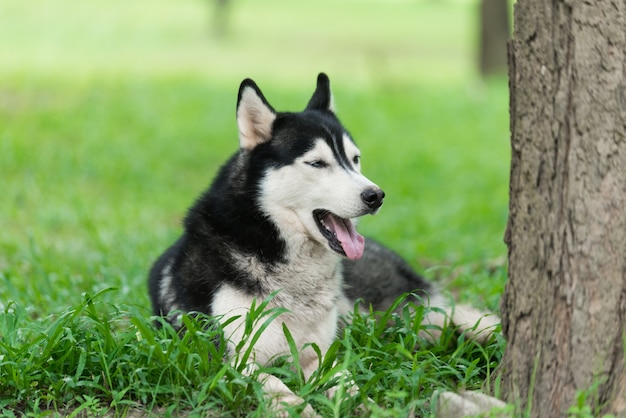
(255, 116)
(322, 98)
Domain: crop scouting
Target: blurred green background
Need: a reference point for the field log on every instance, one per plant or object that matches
(115, 115)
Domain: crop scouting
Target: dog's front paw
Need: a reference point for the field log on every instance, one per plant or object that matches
(347, 386)
(346, 383)
(282, 400)
(285, 405)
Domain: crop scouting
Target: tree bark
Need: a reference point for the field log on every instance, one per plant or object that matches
(221, 19)
(564, 306)
(494, 33)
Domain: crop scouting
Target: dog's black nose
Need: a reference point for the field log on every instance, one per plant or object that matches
(373, 197)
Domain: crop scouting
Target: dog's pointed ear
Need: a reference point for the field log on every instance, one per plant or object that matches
(322, 98)
(255, 116)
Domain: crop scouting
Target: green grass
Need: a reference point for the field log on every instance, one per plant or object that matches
(116, 115)
(95, 357)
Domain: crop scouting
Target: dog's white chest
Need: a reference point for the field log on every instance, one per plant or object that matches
(314, 323)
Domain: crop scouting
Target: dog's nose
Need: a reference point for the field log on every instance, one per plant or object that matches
(373, 197)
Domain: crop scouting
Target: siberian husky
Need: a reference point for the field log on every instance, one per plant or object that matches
(280, 219)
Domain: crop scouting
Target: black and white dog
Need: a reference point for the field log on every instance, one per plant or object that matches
(280, 218)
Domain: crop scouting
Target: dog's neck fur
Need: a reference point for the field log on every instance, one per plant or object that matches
(310, 270)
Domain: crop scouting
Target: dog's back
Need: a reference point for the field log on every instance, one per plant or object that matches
(381, 276)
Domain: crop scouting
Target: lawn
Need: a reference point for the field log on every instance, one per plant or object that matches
(115, 115)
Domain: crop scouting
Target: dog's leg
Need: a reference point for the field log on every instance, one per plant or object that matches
(280, 396)
(477, 325)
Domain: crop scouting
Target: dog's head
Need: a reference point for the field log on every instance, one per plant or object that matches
(309, 169)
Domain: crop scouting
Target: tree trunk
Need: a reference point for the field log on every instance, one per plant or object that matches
(221, 18)
(494, 33)
(564, 307)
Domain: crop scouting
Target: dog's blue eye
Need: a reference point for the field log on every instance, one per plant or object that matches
(317, 164)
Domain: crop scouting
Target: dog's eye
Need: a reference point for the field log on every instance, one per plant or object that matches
(317, 164)
(356, 160)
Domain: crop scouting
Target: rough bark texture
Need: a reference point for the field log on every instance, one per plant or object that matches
(564, 307)
(494, 33)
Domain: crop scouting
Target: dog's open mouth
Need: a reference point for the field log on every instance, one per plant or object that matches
(340, 233)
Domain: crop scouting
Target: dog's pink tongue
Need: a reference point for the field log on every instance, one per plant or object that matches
(352, 242)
